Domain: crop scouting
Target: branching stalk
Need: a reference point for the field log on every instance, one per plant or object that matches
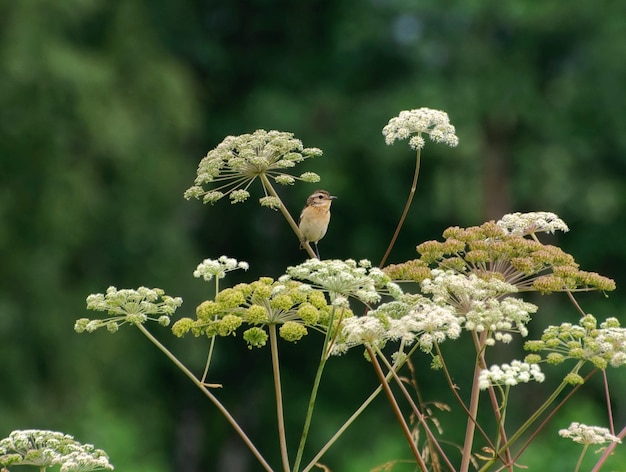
(396, 409)
(534, 417)
(209, 395)
(416, 410)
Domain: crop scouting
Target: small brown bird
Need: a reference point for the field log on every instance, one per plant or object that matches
(315, 217)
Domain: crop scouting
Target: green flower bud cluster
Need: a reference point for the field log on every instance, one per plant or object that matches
(44, 449)
(292, 305)
(602, 346)
(128, 306)
(490, 251)
(238, 160)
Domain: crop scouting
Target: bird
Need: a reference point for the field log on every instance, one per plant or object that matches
(315, 217)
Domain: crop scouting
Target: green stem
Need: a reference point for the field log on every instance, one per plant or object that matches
(396, 409)
(405, 211)
(534, 417)
(209, 395)
(314, 390)
(355, 415)
(212, 345)
(581, 457)
(502, 416)
(282, 437)
(548, 417)
(345, 426)
(283, 209)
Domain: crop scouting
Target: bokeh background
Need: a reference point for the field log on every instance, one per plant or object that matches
(106, 108)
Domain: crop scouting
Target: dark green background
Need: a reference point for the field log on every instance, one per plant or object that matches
(106, 107)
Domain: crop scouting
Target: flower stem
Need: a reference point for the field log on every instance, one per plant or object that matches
(282, 437)
(212, 345)
(314, 390)
(473, 406)
(581, 457)
(471, 421)
(608, 451)
(453, 389)
(283, 209)
(416, 410)
(396, 409)
(548, 417)
(405, 212)
(534, 417)
(209, 395)
(350, 420)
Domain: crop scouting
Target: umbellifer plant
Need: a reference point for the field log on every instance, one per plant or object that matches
(472, 284)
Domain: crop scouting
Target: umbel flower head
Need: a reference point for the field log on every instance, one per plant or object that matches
(602, 346)
(587, 435)
(292, 305)
(237, 161)
(410, 319)
(502, 251)
(534, 222)
(510, 374)
(128, 306)
(44, 449)
(212, 268)
(433, 123)
(345, 279)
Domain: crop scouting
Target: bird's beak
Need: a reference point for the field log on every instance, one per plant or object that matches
(332, 197)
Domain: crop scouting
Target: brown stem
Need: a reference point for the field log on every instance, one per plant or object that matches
(453, 388)
(418, 413)
(396, 409)
(608, 451)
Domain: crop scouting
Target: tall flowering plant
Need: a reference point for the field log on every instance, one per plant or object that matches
(473, 284)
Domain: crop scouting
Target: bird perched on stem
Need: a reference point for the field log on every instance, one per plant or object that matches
(315, 217)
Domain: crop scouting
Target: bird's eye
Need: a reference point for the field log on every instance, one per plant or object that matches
(320, 196)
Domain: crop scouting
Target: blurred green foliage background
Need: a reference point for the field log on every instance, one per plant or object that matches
(106, 107)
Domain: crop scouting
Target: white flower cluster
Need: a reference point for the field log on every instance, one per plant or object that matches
(423, 322)
(343, 279)
(210, 268)
(521, 224)
(510, 374)
(459, 290)
(434, 123)
(583, 434)
(478, 302)
(45, 449)
(611, 342)
(499, 317)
